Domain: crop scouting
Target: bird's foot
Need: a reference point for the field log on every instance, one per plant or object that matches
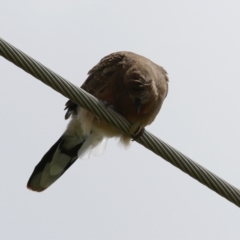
(138, 133)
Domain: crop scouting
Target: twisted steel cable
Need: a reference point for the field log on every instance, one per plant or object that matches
(90, 103)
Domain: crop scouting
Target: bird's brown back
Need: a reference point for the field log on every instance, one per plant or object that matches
(125, 80)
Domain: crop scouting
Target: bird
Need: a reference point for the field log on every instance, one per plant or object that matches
(130, 84)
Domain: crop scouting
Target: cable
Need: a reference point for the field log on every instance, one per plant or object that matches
(90, 103)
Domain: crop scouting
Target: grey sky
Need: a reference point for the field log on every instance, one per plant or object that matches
(124, 194)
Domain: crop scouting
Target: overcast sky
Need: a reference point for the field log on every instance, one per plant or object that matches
(124, 194)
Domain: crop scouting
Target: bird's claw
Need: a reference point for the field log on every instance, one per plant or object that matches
(139, 132)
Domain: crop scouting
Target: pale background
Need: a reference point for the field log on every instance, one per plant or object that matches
(124, 194)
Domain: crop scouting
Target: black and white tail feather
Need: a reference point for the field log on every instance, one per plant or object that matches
(78, 141)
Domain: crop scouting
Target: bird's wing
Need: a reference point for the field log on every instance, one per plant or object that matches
(99, 79)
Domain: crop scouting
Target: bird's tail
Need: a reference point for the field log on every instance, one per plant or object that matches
(60, 157)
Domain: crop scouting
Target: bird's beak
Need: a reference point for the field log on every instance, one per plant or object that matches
(138, 104)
